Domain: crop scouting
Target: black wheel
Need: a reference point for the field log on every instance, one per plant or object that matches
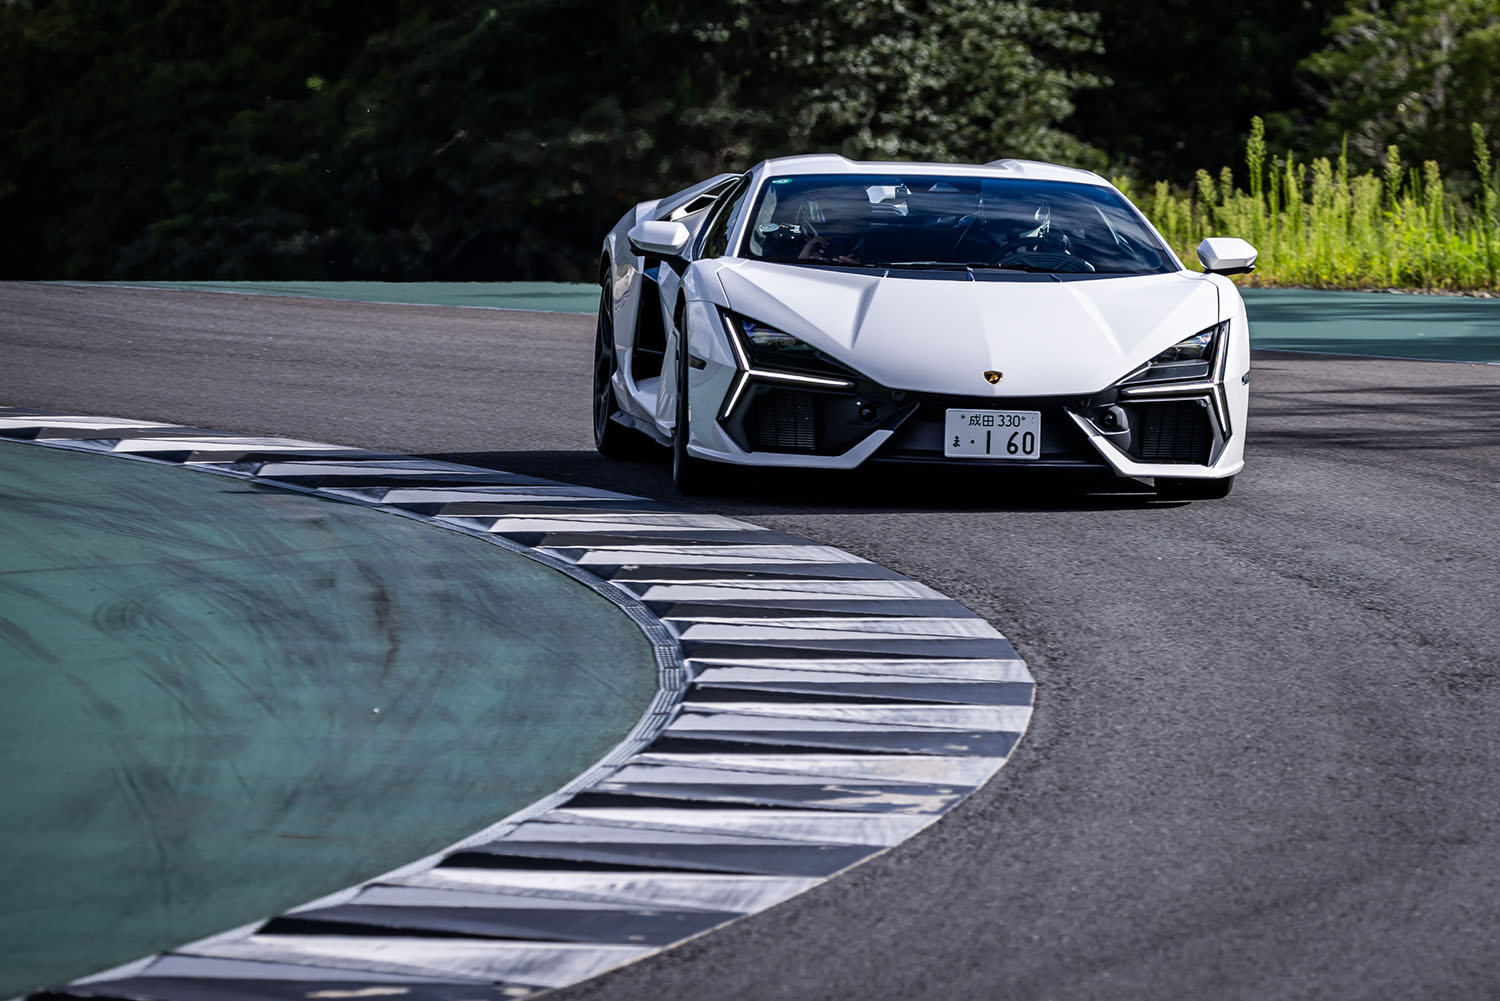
(1168, 488)
(613, 439)
(690, 475)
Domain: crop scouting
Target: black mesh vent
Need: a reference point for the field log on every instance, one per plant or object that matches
(1174, 432)
(783, 420)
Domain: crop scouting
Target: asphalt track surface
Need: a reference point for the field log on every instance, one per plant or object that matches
(1263, 762)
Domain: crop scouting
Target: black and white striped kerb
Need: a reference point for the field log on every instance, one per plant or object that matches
(814, 710)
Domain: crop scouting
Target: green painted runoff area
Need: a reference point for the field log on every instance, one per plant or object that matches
(1382, 324)
(1395, 325)
(193, 666)
(552, 297)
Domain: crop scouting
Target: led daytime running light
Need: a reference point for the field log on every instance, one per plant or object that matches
(748, 370)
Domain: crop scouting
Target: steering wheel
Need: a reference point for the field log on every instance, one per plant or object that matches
(804, 220)
(967, 223)
(1012, 248)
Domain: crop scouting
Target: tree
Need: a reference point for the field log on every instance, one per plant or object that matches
(908, 79)
(114, 113)
(1413, 74)
(472, 139)
(1188, 76)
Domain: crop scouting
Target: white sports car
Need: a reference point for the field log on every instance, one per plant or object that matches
(818, 312)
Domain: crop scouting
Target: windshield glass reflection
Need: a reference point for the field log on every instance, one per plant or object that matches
(936, 221)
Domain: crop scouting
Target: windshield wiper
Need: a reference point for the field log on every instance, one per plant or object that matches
(934, 265)
(811, 262)
(972, 266)
(1027, 268)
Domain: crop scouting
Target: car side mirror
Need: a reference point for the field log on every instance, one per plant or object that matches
(659, 238)
(1226, 255)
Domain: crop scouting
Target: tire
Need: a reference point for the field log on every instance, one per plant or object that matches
(1169, 488)
(613, 439)
(690, 475)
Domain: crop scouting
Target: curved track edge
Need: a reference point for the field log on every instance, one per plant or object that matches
(814, 710)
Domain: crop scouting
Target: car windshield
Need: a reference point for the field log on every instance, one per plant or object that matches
(945, 222)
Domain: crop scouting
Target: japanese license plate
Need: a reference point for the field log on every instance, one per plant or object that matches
(993, 434)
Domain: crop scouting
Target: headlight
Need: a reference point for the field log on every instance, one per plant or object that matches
(1191, 358)
(761, 346)
(761, 338)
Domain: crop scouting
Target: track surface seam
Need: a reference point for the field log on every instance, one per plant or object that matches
(814, 710)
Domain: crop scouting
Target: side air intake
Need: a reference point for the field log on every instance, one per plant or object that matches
(1175, 431)
(783, 420)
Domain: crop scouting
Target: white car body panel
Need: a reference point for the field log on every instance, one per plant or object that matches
(1048, 338)
(851, 459)
(936, 334)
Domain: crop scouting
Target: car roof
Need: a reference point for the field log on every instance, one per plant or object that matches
(832, 163)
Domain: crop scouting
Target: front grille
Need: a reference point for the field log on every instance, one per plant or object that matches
(783, 420)
(1176, 431)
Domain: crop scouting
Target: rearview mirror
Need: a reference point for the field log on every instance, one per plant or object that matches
(659, 238)
(1226, 255)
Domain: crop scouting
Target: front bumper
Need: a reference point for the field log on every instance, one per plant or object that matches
(1179, 436)
(1189, 430)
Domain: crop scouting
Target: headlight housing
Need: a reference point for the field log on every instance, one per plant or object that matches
(761, 338)
(762, 346)
(1189, 360)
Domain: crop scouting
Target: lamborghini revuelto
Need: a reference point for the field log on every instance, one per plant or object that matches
(818, 312)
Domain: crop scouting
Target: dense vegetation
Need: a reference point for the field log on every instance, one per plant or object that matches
(1319, 225)
(416, 139)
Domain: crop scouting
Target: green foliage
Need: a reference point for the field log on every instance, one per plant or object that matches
(906, 79)
(1187, 75)
(407, 140)
(1413, 74)
(1317, 225)
(110, 111)
(493, 139)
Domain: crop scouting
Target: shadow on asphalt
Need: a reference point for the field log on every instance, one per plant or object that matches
(1381, 417)
(1379, 439)
(879, 489)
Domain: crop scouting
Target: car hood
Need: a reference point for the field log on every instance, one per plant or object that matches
(939, 332)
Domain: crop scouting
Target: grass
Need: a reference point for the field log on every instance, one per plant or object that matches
(1318, 226)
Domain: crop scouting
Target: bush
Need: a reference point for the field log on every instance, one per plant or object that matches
(1319, 226)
